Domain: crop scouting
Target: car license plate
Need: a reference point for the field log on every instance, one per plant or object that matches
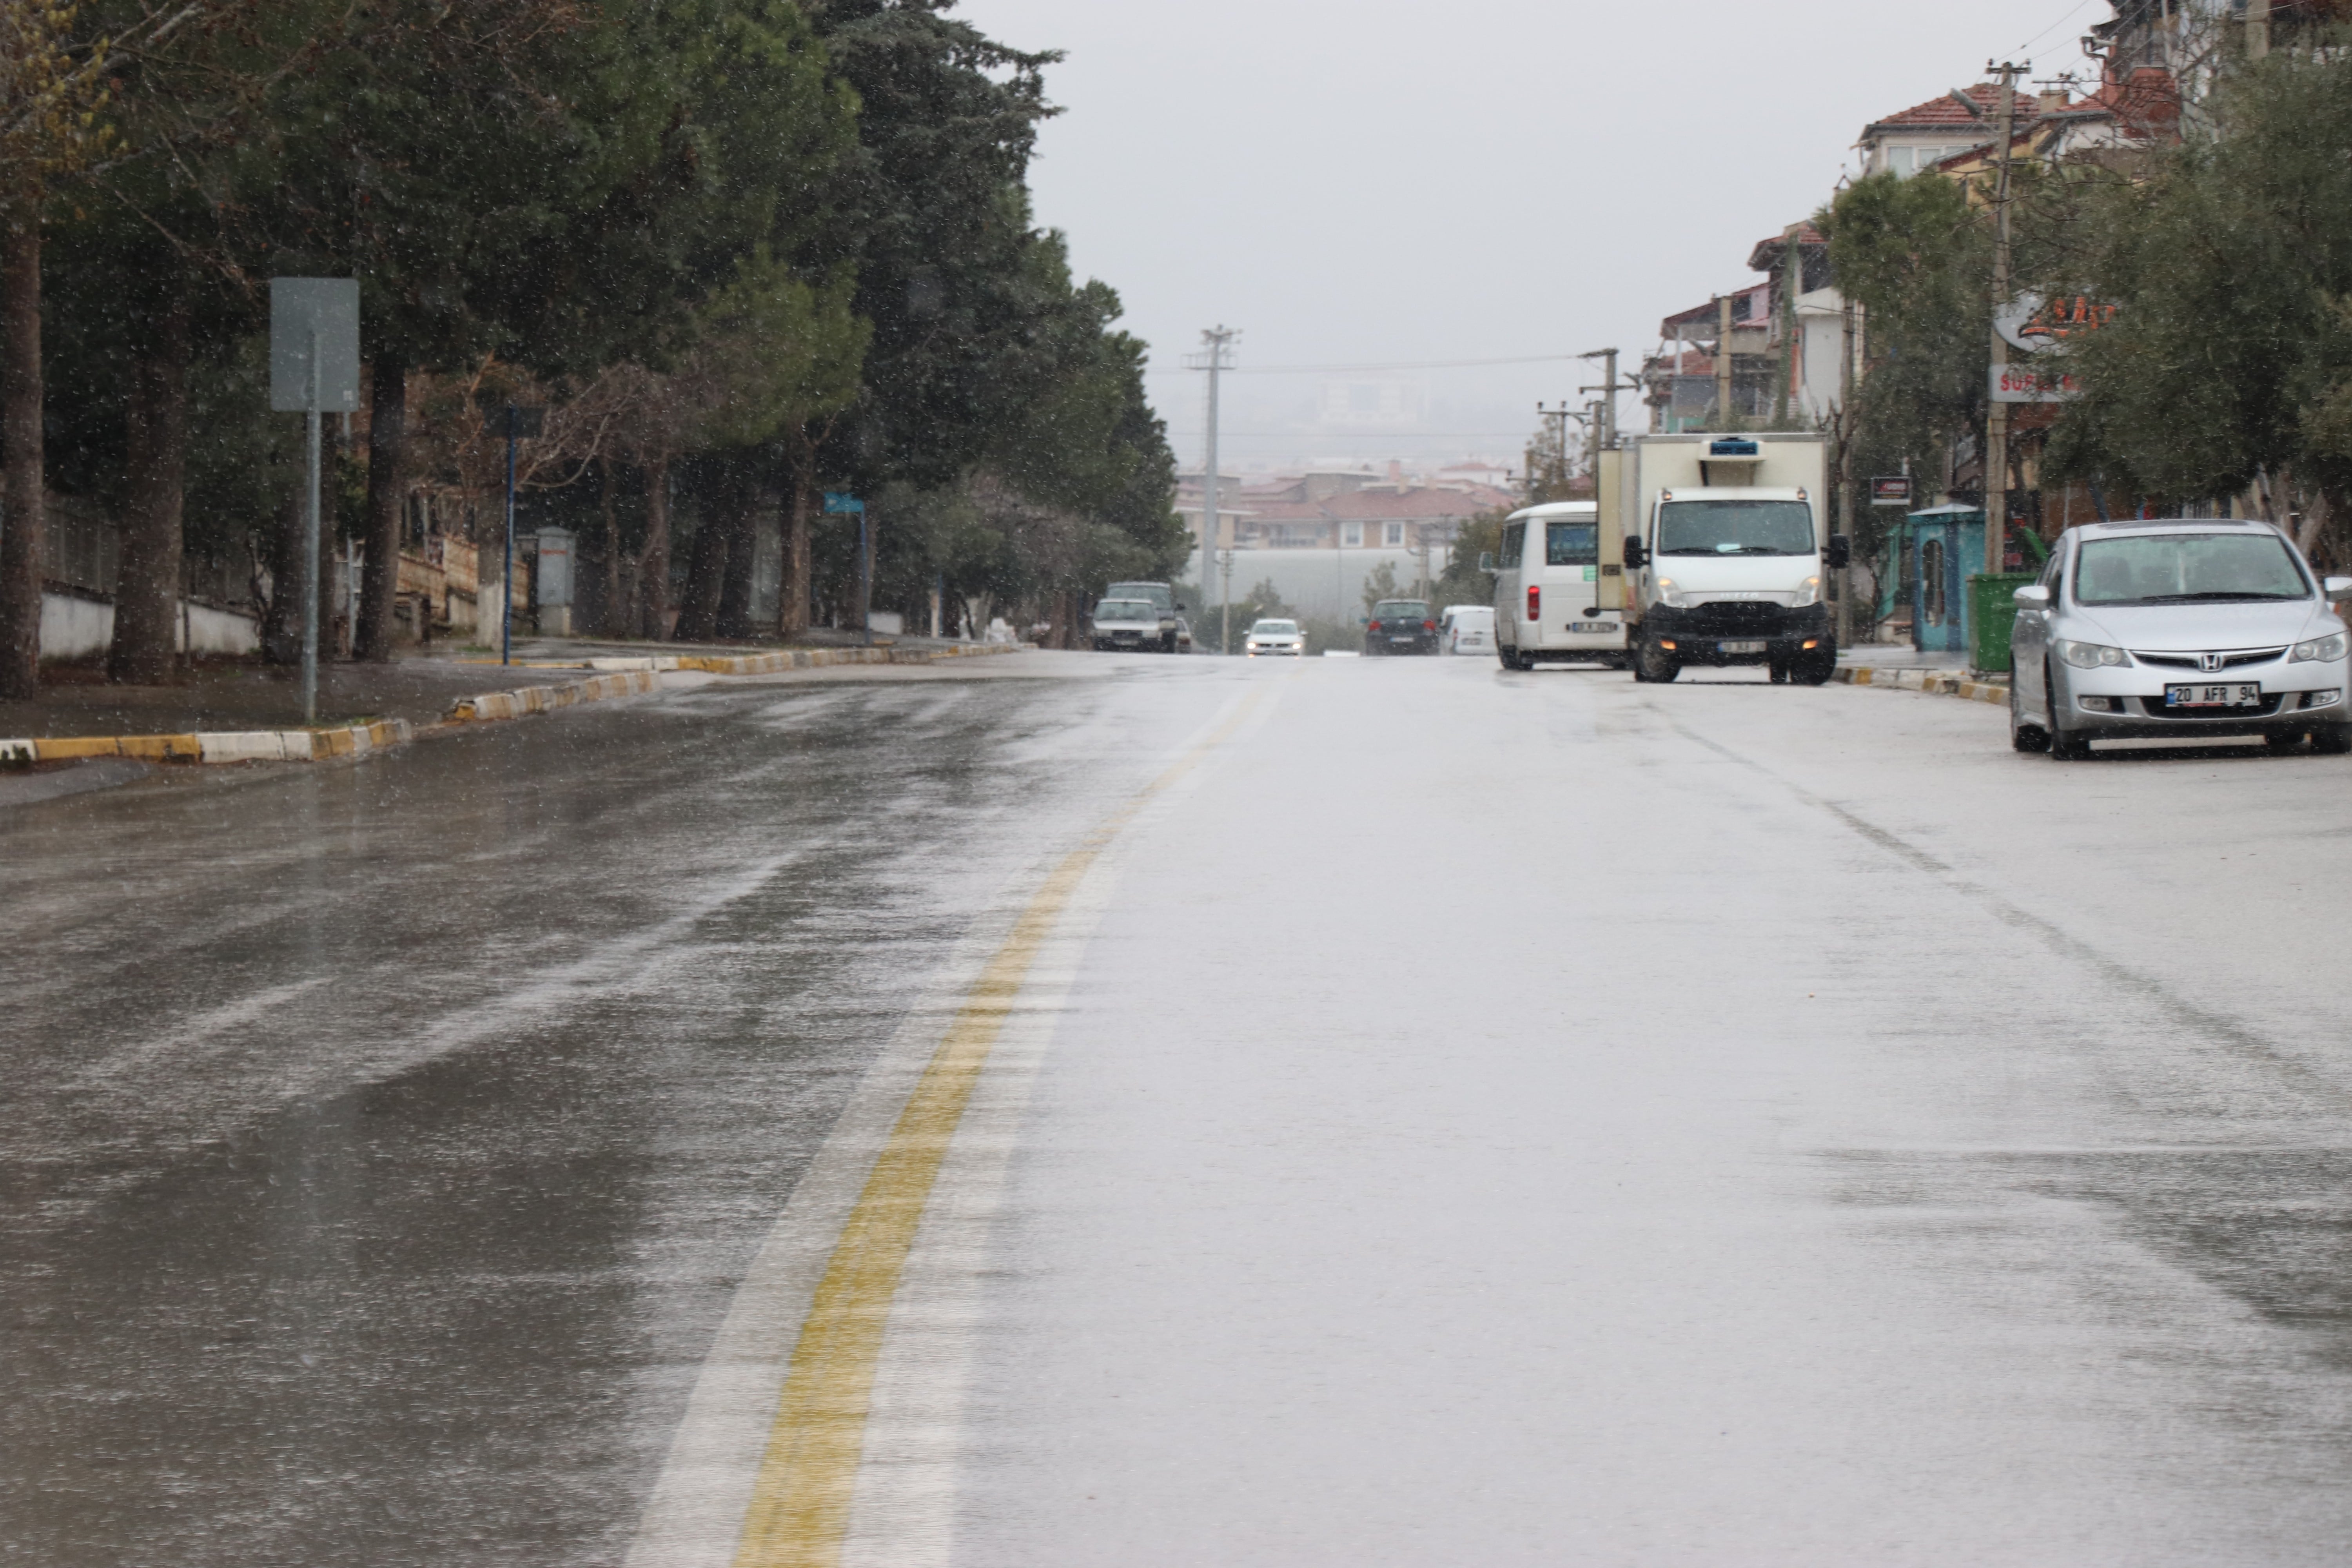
(1400, 639)
(1740, 647)
(2226, 694)
(1592, 629)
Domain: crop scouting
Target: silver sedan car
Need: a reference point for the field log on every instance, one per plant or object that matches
(2182, 628)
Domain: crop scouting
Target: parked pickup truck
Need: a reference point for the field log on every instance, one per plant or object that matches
(1134, 625)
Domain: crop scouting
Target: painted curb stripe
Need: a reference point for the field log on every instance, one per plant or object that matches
(800, 1508)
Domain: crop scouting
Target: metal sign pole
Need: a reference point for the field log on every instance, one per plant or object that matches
(310, 553)
(506, 632)
(865, 580)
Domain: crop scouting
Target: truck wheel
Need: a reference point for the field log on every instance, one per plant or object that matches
(1814, 670)
(1657, 665)
(1780, 672)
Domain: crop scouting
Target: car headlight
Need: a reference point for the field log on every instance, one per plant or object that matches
(1668, 594)
(1808, 592)
(2325, 649)
(2090, 654)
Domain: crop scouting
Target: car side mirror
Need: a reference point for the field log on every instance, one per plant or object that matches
(2034, 596)
(2336, 587)
(1637, 554)
(1183, 608)
(1363, 620)
(1486, 561)
(1840, 554)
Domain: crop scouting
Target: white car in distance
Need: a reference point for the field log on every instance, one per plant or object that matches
(1277, 639)
(1466, 629)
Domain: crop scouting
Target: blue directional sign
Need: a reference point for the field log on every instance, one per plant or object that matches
(836, 503)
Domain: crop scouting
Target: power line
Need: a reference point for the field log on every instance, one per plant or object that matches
(2072, 12)
(1400, 364)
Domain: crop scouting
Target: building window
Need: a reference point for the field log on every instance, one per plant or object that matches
(1355, 534)
(1899, 159)
(1396, 535)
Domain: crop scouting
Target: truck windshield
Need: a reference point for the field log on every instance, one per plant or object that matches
(1735, 527)
(1571, 544)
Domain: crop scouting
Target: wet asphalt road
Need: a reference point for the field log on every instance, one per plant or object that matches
(1467, 1119)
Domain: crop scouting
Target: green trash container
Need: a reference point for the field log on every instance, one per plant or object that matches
(1991, 613)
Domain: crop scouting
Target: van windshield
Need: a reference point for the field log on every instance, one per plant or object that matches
(2185, 568)
(1571, 544)
(1735, 527)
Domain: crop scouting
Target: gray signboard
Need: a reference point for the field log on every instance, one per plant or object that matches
(314, 315)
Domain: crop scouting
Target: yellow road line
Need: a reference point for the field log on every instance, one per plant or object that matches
(799, 1514)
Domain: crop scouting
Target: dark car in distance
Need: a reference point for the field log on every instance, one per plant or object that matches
(1401, 625)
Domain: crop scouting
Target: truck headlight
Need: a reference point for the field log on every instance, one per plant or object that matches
(1808, 592)
(2323, 649)
(2090, 654)
(1668, 594)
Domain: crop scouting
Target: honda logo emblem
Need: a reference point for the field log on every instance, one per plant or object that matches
(2209, 661)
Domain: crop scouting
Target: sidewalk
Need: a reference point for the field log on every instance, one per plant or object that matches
(420, 686)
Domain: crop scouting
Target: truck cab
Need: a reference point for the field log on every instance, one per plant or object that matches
(1548, 603)
(1726, 556)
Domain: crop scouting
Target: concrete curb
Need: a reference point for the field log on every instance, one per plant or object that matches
(218, 746)
(622, 678)
(492, 705)
(1911, 678)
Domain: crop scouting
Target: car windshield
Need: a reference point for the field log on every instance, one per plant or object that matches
(1150, 593)
(2187, 569)
(1274, 629)
(1401, 610)
(1571, 544)
(1125, 610)
(1735, 527)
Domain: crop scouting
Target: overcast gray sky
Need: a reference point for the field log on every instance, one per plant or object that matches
(1377, 182)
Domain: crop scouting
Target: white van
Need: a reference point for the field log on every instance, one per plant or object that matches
(1466, 629)
(1546, 589)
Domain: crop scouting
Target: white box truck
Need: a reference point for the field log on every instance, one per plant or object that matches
(1722, 550)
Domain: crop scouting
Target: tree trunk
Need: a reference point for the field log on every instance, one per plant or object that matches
(281, 622)
(23, 526)
(148, 584)
(793, 602)
(742, 541)
(653, 562)
(705, 567)
(386, 493)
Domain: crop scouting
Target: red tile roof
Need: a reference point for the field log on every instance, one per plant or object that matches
(1941, 110)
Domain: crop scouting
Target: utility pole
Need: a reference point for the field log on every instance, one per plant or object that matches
(1555, 462)
(2258, 28)
(1722, 420)
(1216, 360)
(1606, 434)
(1792, 283)
(1996, 463)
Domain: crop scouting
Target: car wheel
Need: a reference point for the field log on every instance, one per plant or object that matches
(2064, 745)
(2024, 735)
(2283, 740)
(1657, 665)
(2331, 739)
(1779, 671)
